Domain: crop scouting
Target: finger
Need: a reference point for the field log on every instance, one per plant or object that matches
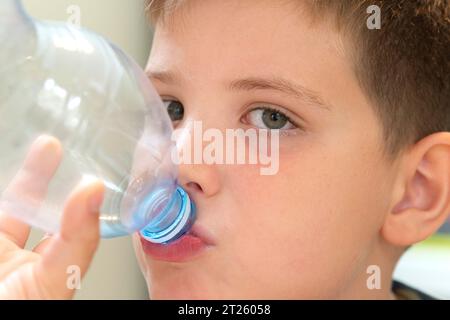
(15, 259)
(77, 241)
(28, 188)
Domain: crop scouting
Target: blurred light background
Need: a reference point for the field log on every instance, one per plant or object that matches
(427, 265)
(114, 273)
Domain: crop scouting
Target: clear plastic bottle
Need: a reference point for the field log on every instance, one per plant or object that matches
(72, 84)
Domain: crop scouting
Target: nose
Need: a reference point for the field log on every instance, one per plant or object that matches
(198, 179)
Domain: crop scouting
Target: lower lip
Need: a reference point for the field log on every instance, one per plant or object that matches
(181, 250)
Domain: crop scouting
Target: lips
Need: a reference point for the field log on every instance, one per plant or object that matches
(186, 248)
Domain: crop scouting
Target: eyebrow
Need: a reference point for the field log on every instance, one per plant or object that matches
(284, 86)
(280, 85)
(163, 76)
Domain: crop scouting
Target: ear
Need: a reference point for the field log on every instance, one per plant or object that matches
(421, 201)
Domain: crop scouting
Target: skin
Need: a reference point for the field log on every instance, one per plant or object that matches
(337, 204)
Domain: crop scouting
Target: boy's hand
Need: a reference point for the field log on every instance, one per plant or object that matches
(43, 272)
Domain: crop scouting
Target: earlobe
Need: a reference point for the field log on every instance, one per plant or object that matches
(424, 201)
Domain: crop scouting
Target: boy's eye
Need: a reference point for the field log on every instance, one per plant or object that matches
(175, 109)
(268, 118)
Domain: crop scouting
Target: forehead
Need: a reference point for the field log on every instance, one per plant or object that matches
(225, 36)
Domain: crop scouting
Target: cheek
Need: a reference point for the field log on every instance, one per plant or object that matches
(296, 219)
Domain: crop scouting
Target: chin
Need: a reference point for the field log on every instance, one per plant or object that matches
(180, 284)
(178, 295)
(172, 292)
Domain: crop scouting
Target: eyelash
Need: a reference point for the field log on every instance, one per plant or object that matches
(282, 132)
(281, 112)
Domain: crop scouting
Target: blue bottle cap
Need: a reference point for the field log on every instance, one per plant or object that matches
(184, 219)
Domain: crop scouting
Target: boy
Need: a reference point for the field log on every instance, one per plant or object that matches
(364, 151)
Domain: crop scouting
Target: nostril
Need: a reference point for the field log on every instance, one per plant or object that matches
(194, 186)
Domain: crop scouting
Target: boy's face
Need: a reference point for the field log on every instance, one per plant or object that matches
(312, 229)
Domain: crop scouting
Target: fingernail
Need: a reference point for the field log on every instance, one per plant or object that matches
(95, 202)
(47, 235)
(43, 139)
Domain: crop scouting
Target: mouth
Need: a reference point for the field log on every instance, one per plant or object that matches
(188, 247)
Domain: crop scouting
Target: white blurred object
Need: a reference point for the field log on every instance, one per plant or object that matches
(426, 268)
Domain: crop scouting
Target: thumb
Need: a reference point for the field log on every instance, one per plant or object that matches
(69, 253)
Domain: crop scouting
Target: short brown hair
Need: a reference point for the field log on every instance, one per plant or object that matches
(403, 67)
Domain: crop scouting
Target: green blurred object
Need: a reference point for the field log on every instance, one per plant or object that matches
(441, 240)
